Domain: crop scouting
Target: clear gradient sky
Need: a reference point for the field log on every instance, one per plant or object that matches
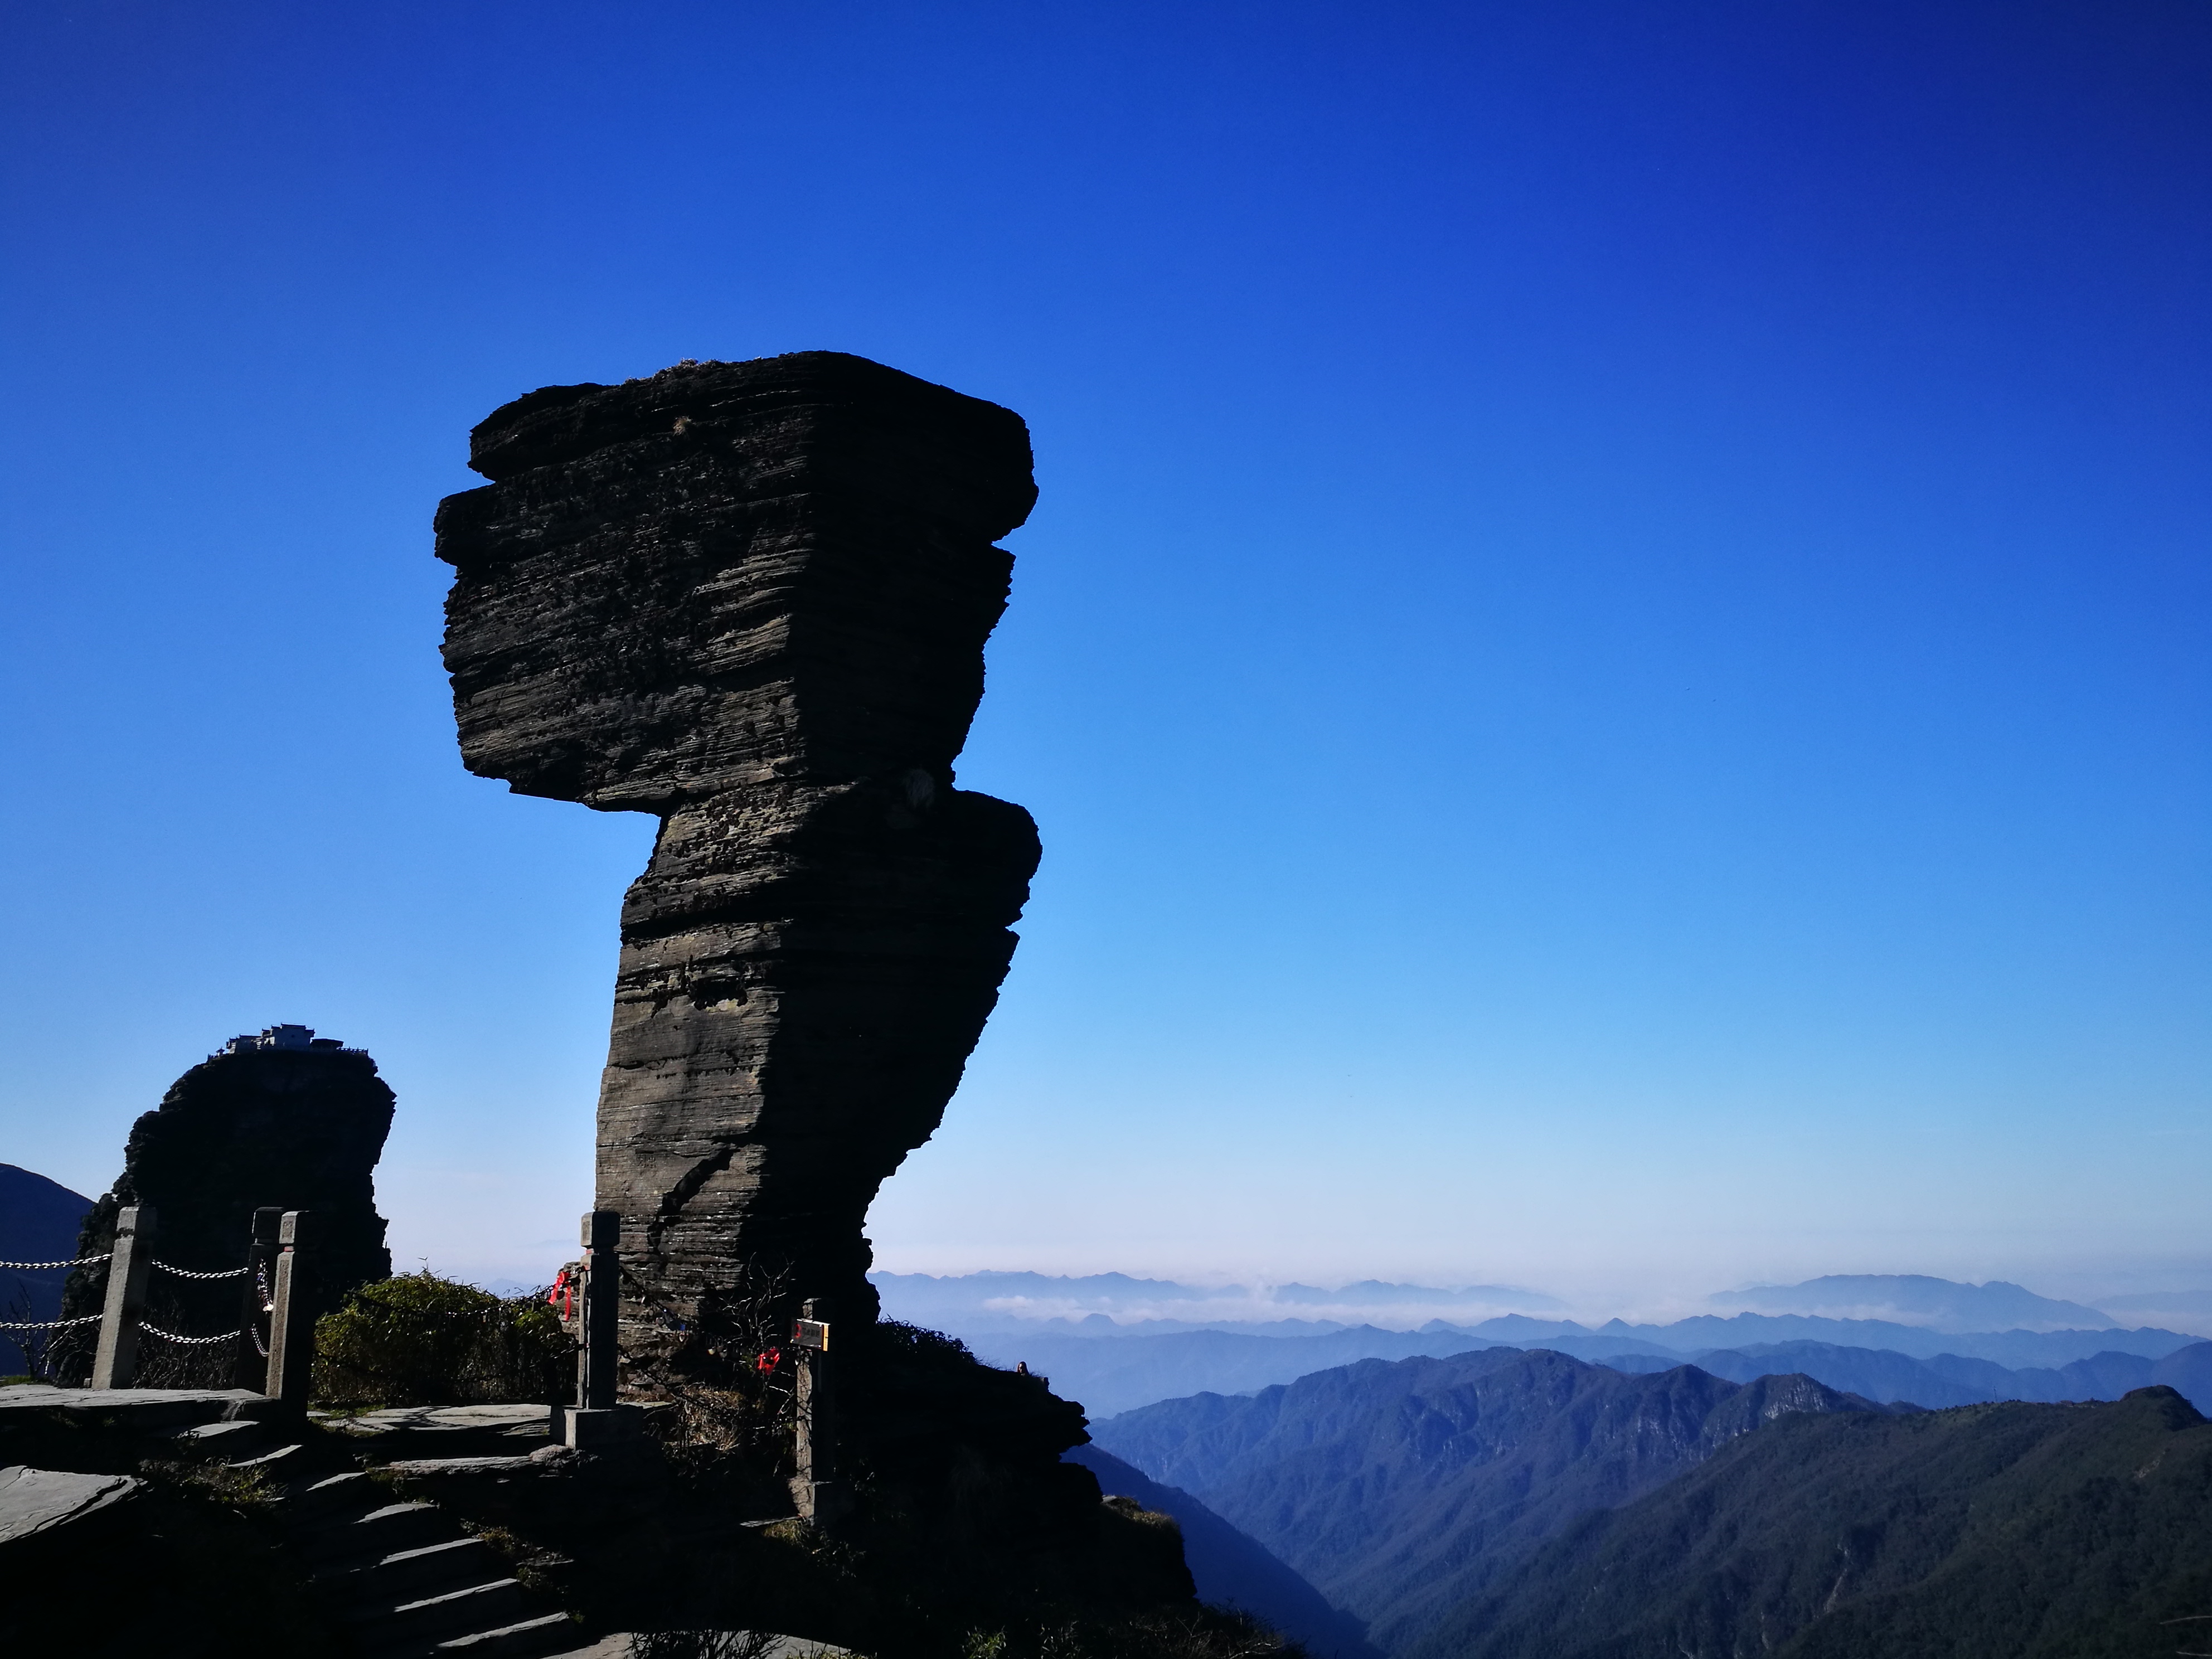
(1613, 661)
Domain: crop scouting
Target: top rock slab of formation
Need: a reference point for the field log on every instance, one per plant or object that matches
(727, 574)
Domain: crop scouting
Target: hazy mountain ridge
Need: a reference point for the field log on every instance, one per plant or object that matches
(1399, 1489)
(2184, 1310)
(1991, 1532)
(38, 1222)
(1945, 1380)
(1113, 1377)
(1110, 1377)
(1940, 1304)
(2011, 1348)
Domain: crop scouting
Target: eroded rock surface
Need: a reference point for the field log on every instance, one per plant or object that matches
(752, 599)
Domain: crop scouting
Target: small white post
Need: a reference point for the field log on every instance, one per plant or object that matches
(291, 1326)
(117, 1362)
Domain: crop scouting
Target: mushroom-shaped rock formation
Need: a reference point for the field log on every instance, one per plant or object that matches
(752, 599)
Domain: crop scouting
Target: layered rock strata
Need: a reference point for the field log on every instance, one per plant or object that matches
(752, 599)
(283, 1118)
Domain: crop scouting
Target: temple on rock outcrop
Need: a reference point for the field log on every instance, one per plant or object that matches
(752, 599)
(293, 1039)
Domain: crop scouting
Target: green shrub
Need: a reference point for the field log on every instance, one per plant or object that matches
(419, 1339)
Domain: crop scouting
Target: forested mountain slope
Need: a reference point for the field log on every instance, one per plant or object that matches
(2012, 1531)
(1402, 1490)
(1232, 1570)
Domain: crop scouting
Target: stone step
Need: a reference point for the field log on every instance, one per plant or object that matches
(142, 1410)
(441, 1430)
(433, 1618)
(237, 1437)
(378, 1533)
(532, 1638)
(482, 1468)
(279, 1461)
(411, 1574)
(315, 1500)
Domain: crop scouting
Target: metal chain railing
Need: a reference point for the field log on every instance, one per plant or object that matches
(186, 1273)
(188, 1341)
(130, 1262)
(40, 1267)
(47, 1324)
(151, 1329)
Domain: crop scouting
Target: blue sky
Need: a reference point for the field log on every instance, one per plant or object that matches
(1612, 661)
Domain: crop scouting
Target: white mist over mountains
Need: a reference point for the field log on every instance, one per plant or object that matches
(1118, 1303)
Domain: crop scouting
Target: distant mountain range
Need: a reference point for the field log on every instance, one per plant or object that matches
(1706, 1332)
(1119, 1304)
(1399, 1491)
(1864, 1357)
(1954, 1380)
(1940, 1304)
(2182, 1310)
(1991, 1531)
(38, 1222)
(1938, 1343)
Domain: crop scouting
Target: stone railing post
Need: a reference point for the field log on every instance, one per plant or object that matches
(250, 1368)
(116, 1361)
(593, 1419)
(292, 1326)
(813, 1486)
(602, 1321)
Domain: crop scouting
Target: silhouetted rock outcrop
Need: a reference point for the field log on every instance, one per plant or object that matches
(285, 1119)
(752, 599)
